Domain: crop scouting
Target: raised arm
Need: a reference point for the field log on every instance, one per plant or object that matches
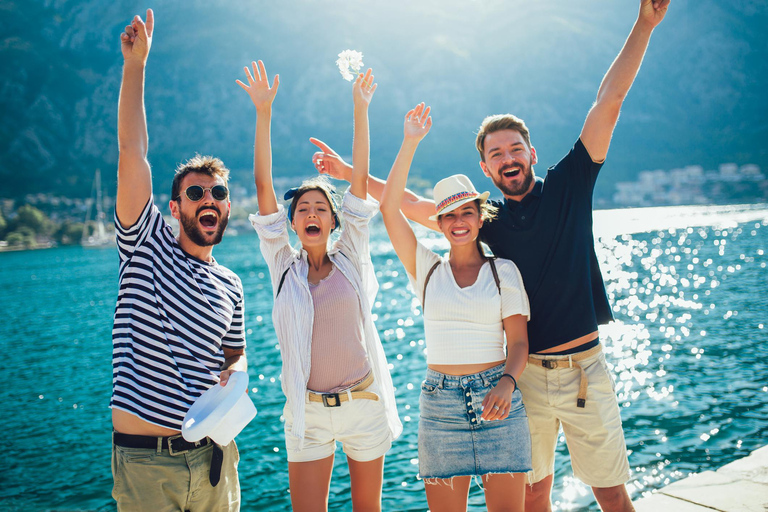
(417, 125)
(362, 93)
(601, 120)
(262, 96)
(415, 207)
(134, 178)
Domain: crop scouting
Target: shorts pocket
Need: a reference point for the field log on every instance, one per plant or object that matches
(429, 388)
(135, 456)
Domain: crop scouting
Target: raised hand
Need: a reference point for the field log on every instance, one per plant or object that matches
(137, 39)
(327, 161)
(262, 95)
(653, 11)
(363, 89)
(417, 122)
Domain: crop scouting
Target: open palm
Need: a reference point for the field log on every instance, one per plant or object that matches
(417, 122)
(363, 88)
(258, 88)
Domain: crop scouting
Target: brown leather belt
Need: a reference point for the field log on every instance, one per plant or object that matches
(569, 361)
(354, 393)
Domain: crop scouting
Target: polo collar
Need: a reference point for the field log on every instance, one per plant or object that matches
(538, 187)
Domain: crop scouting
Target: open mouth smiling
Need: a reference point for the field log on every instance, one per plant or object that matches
(312, 229)
(511, 172)
(209, 219)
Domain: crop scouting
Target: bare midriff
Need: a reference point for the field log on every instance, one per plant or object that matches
(463, 369)
(127, 423)
(571, 344)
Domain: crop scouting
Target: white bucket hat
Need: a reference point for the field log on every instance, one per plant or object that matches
(455, 191)
(221, 412)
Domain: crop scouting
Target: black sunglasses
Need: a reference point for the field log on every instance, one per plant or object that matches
(195, 192)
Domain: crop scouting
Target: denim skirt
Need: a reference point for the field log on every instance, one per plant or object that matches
(454, 441)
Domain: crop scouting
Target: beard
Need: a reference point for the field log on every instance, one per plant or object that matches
(514, 189)
(192, 229)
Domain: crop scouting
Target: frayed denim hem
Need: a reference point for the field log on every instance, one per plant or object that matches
(479, 479)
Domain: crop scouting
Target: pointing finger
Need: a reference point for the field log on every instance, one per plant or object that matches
(150, 22)
(322, 145)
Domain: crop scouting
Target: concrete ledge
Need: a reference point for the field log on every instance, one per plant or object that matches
(741, 486)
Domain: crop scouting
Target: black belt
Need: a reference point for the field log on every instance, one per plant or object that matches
(176, 445)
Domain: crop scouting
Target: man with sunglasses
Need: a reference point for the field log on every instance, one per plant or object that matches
(178, 326)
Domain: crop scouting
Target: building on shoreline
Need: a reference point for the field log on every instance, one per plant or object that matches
(693, 185)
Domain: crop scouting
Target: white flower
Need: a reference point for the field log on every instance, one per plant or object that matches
(350, 62)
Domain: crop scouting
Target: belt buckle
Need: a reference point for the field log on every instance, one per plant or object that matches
(335, 396)
(549, 364)
(173, 452)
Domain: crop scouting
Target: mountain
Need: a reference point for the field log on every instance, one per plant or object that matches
(699, 98)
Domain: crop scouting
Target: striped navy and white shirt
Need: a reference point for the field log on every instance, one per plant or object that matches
(174, 315)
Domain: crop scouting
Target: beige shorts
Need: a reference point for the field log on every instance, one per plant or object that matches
(594, 434)
(359, 425)
(147, 480)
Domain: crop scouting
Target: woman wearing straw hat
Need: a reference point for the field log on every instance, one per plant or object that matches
(473, 422)
(335, 375)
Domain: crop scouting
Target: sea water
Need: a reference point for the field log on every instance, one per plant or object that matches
(688, 287)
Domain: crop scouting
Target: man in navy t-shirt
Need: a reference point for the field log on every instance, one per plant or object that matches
(545, 227)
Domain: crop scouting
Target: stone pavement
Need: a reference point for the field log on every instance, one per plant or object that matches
(741, 486)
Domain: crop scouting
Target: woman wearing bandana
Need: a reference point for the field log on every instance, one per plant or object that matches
(334, 376)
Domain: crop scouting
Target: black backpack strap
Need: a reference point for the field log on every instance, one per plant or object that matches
(282, 280)
(492, 261)
(424, 292)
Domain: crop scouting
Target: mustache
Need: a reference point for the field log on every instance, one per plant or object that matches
(203, 208)
(511, 166)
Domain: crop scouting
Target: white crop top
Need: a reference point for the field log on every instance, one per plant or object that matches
(464, 325)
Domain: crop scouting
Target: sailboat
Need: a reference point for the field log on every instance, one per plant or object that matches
(99, 237)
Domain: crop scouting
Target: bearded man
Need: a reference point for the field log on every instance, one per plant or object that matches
(178, 326)
(545, 227)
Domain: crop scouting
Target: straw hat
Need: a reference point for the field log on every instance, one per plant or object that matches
(455, 191)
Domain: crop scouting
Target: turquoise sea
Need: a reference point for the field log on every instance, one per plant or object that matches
(689, 288)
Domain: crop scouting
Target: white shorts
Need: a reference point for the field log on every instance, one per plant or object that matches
(593, 433)
(359, 425)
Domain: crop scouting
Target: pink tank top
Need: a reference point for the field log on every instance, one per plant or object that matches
(338, 354)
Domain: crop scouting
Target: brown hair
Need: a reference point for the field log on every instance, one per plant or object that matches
(207, 165)
(500, 122)
(487, 210)
(322, 184)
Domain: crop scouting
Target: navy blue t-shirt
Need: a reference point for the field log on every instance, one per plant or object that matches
(549, 237)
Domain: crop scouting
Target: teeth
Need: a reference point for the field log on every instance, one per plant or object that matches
(205, 214)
